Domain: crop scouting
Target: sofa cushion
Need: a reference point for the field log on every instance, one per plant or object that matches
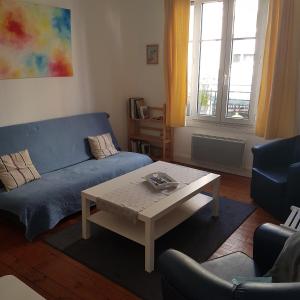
(17, 169)
(102, 146)
(57, 143)
(41, 204)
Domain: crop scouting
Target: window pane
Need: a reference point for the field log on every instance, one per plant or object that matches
(242, 64)
(240, 78)
(238, 105)
(245, 16)
(191, 27)
(211, 34)
(242, 59)
(208, 79)
(212, 14)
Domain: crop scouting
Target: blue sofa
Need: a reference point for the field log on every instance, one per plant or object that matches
(275, 184)
(59, 150)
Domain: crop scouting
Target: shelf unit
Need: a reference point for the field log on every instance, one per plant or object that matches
(153, 131)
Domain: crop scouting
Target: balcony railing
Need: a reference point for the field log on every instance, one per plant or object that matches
(236, 107)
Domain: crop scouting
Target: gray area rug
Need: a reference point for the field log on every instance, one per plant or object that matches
(122, 260)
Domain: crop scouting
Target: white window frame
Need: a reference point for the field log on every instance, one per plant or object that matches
(225, 63)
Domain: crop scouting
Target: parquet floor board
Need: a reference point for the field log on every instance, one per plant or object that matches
(56, 276)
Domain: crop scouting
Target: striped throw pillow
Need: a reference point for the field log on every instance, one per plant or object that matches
(102, 146)
(17, 169)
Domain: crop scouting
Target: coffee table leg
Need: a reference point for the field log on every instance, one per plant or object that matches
(86, 225)
(215, 194)
(149, 246)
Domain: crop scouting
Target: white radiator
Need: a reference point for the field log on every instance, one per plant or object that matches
(216, 150)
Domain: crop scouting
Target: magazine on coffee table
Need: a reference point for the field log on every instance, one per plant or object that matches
(161, 181)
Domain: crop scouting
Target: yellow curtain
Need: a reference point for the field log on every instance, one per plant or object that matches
(276, 113)
(176, 59)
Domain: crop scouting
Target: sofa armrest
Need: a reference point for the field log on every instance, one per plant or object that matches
(268, 242)
(278, 152)
(184, 278)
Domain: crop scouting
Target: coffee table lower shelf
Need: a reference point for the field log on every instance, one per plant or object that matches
(136, 231)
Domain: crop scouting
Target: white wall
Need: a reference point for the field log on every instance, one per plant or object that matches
(142, 24)
(24, 100)
(104, 36)
(117, 32)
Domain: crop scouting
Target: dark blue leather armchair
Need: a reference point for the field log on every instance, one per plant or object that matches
(185, 279)
(275, 184)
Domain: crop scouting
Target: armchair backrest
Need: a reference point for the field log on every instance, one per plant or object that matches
(268, 241)
(280, 153)
(56, 143)
(297, 149)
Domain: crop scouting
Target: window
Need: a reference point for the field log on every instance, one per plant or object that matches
(225, 53)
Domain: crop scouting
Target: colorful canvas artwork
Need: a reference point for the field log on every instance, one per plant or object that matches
(35, 40)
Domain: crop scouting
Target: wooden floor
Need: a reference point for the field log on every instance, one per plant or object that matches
(56, 276)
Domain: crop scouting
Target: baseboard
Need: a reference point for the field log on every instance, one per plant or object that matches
(188, 161)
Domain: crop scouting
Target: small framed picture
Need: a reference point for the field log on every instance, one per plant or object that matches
(152, 54)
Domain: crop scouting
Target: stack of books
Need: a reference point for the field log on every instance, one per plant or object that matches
(138, 109)
(140, 147)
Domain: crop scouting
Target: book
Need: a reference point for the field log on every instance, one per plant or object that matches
(145, 148)
(139, 103)
(134, 107)
(134, 146)
(131, 108)
(132, 112)
(144, 112)
(140, 147)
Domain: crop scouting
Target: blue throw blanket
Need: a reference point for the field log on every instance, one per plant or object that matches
(41, 204)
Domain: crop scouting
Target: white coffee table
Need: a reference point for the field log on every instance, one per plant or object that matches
(160, 217)
(11, 288)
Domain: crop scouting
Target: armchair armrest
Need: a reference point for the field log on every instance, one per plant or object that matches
(268, 291)
(184, 278)
(268, 242)
(293, 186)
(279, 151)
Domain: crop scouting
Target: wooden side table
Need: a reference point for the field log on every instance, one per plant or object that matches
(153, 131)
(11, 288)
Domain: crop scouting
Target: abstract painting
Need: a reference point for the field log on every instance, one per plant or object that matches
(35, 40)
